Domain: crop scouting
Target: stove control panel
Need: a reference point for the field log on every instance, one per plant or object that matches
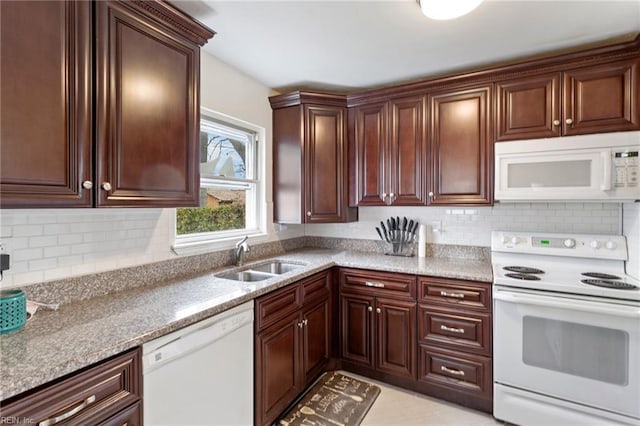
(574, 245)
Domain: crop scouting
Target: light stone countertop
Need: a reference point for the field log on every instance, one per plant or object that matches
(55, 343)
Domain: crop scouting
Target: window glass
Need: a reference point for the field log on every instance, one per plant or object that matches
(229, 190)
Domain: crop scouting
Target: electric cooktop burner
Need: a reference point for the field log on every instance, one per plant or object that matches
(601, 275)
(525, 277)
(523, 270)
(610, 284)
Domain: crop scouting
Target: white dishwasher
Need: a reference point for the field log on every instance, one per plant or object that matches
(201, 374)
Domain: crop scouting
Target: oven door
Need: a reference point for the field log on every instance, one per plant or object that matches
(573, 348)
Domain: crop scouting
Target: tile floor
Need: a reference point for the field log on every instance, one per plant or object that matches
(399, 407)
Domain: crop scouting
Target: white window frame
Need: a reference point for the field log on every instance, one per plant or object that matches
(218, 240)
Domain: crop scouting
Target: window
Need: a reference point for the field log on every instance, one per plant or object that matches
(230, 188)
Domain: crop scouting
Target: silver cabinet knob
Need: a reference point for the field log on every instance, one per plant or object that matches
(391, 195)
(569, 121)
(378, 310)
(370, 309)
(87, 184)
(384, 195)
(556, 122)
(106, 186)
(430, 193)
(309, 214)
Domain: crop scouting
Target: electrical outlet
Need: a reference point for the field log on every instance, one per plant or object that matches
(436, 226)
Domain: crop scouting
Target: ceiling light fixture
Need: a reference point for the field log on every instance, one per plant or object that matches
(447, 9)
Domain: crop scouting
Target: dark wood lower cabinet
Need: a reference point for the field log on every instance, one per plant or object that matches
(278, 380)
(107, 393)
(294, 350)
(430, 335)
(356, 329)
(316, 338)
(378, 323)
(396, 337)
(456, 376)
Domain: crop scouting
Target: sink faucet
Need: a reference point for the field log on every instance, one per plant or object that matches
(241, 248)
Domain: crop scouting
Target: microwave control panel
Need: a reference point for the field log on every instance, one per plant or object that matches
(626, 169)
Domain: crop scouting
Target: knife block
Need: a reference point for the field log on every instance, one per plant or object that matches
(406, 249)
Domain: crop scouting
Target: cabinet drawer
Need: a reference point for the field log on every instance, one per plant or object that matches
(315, 287)
(447, 292)
(463, 330)
(89, 397)
(131, 416)
(455, 370)
(277, 305)
(393, 285)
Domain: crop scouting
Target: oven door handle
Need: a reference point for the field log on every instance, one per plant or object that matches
(566, 303)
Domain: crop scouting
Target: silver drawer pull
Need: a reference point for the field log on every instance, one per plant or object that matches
(373, 284)
(72, 412)
(450, 294)
(452, 371)
(451, 329)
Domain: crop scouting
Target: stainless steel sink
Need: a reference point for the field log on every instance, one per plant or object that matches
(260, 272)
(247, 275)
(276, 267)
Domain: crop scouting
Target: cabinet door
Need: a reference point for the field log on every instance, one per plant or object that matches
(408, 152)
(528, 108)
(45, 104)
(316, 344)
(277, 368)
(602, 98)
(461, 147)
(147, 110)
(396, 337)
(371, 154)
(325, 168)
(356, 329)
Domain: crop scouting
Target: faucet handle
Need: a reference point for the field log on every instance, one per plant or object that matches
(242, 241)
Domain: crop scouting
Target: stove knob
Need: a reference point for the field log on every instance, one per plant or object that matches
(595, 244)
(514, 240)
(611, 245)
(504, 239)
(569, 243)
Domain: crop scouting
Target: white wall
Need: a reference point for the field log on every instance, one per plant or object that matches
(49, 244)
(631, 229)
(473, 225)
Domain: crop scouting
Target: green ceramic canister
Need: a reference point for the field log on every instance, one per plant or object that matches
(13, 310)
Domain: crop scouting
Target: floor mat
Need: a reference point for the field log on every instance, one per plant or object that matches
(335, 400)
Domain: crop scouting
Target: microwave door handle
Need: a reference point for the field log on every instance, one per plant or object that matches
(606, 178)
(568, 304)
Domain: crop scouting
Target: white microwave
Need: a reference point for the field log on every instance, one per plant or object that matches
(601, 167)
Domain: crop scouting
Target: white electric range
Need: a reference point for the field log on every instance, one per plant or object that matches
(566, 330)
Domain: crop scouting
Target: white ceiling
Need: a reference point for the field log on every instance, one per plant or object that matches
(346, 45)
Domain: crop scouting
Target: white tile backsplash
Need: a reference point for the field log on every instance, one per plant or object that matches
(58, 243)
(473, 226)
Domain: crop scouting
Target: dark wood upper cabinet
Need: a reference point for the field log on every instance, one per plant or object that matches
(460, 141)
(371, 154)
(147, 114)
(602, 98)
(408, 151)
(310, 174)
(45, 109)
(131, 141)
(528, 107)
(390, 152)
(592, 99)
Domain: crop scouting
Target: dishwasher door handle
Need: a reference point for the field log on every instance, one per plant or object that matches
(190, 341)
